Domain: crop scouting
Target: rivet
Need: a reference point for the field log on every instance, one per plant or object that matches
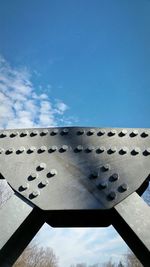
(134, 133)
(102, 185)
(10, 150)
(13, 134)
(79, 148)
(123, 187)
(94, 175)
(65, 131)
(90, 148)
(144, 134)
(35, 193)
(135, 151)
(24, 133)
(21, 149)
(4, 134)
(64, 148)
(54, 132)
(31, 149)
(32, 176)
(112, 195)
(53, 148)
(42, 166)
(112, 149)
(80, 132)
(114, 177)
(44, 132)
(123, 150)
(91, 132)
(34, 133)
(146, 152)
(106, 167)
(112, 132)
(123, 132)
(24, 186)
(44, 183)
(42, 149)
(101, 132)
(100, 149)
(1, 150)
(52, 173)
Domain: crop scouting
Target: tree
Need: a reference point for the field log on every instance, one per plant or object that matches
(132, 261)
(35, 256)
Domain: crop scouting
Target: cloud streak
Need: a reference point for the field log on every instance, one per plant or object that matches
(21, 106)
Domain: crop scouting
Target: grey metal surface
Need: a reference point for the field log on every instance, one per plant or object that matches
(133, 223)
(75, 168)
(12, 215)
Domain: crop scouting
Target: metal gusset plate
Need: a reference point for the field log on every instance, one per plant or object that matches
(75, 168)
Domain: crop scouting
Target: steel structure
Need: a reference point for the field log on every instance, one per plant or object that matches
(74, 176)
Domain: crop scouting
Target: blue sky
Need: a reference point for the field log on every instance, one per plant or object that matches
(75, 63)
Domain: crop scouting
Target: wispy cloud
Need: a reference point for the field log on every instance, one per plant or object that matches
(21, 106)
(90, 245)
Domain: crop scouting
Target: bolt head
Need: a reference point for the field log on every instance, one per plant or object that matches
(147, 151)
(91, 131)
(102, 185)
(94, 175)
(24, 186)
(53, 172)
(79, 148)
(144, 134)
(65, 131)
(90, 148)
(42, 166)
(135, 151)
(123, 132)
(112, 132)
(44, 182)
(33, 176)
(64, 148)
(106, 167)
(112, 195)
(124, 150)
(24, 133)
(43, 148)
(114, 177)
(1, 150)
(21, 149)
(124, 187)
(35, 193)
(101, 132)
(100, 149)
(55, 131)
(134, 133)
(53, 148)
(80, 132)
(112, 149)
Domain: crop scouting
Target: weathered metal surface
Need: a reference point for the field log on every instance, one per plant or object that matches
(132, 221)
(75, 168)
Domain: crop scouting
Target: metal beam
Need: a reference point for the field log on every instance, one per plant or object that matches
(132, 221)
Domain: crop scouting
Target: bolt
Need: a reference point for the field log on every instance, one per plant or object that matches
(112, 195)
(24, 133)
(101, 132)
(65, 131)
(34, 133)
(90, 148)
(123, 132)
(135, 151)
(106, 167)
(112, 150)
(42, 166)
(102, 185)
(52, 173)
(80, 132)
(55, 131)
(147, 152)
(1, 150)
(44, 132)
(79, 148)
(144, 134)
(10, 150)
(112, 132)
(134, 133)
(35, 193)
(13, 134)
(64, 148)
(43, 149)
(53, 148)
(21, 149)
(114, 177)
(44, 182)
(123, 187)
(33, 176)
(100, 149)
(4, 134)
(24, 186)
(94, 175)
(91, 131)
(31, 149)
(124, 150)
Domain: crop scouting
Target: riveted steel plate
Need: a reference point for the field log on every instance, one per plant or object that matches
(75, 167)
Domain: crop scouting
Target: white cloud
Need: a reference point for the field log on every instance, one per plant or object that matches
(90, 245)
(21, 106)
